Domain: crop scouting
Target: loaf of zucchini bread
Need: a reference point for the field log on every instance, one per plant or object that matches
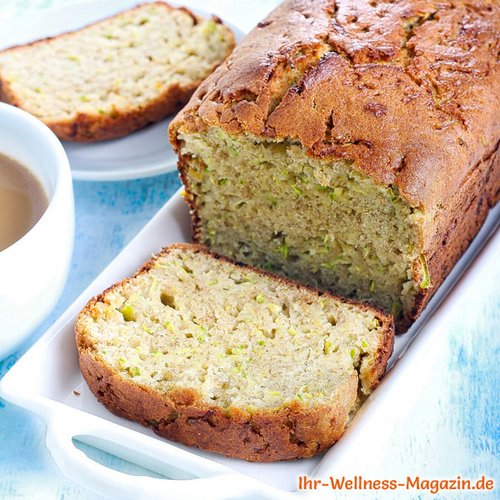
(115, 76)
(352, 145)
(231, 359)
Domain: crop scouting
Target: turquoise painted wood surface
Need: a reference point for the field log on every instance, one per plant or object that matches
(450, 428)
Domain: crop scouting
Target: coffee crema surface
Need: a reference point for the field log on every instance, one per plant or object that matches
(23, 200)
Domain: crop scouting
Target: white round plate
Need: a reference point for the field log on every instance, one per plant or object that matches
(144, 153)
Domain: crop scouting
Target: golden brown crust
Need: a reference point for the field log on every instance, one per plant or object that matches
(94, 128)
(461, 218)
(408, 106)
(287, 433)
(98, 127)
(290, 432)
(410, 91)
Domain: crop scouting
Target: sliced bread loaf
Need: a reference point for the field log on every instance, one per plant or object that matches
(115, 76)
(231, 359)
(350, 145)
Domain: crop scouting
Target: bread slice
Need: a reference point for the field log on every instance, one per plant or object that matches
(116, 76)
(228, 358)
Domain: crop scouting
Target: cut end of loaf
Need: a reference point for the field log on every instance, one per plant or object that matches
(231, 340)
(320, 222)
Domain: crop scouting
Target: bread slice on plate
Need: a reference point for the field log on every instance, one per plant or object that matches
(115, 76)
(230, 359)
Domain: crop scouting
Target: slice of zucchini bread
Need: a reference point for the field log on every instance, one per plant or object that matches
(116, 76)
(230, 359)
(351, 145)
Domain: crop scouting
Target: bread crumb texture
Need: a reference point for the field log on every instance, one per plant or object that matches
(239, 337)
(321, 223)
(230, 359)
(120, 64)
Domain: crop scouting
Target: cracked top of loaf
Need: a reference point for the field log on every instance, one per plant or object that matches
(406, 89)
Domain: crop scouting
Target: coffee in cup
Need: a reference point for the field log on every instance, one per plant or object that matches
(23, 200)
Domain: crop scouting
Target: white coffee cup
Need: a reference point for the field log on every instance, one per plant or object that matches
(34, 270)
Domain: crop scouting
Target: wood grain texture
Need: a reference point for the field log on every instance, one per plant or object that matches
(450, 428)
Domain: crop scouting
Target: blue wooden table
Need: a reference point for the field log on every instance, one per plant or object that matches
(451, 428)
(108, 215)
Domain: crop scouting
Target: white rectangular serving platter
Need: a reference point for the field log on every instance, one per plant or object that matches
(47, 381)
